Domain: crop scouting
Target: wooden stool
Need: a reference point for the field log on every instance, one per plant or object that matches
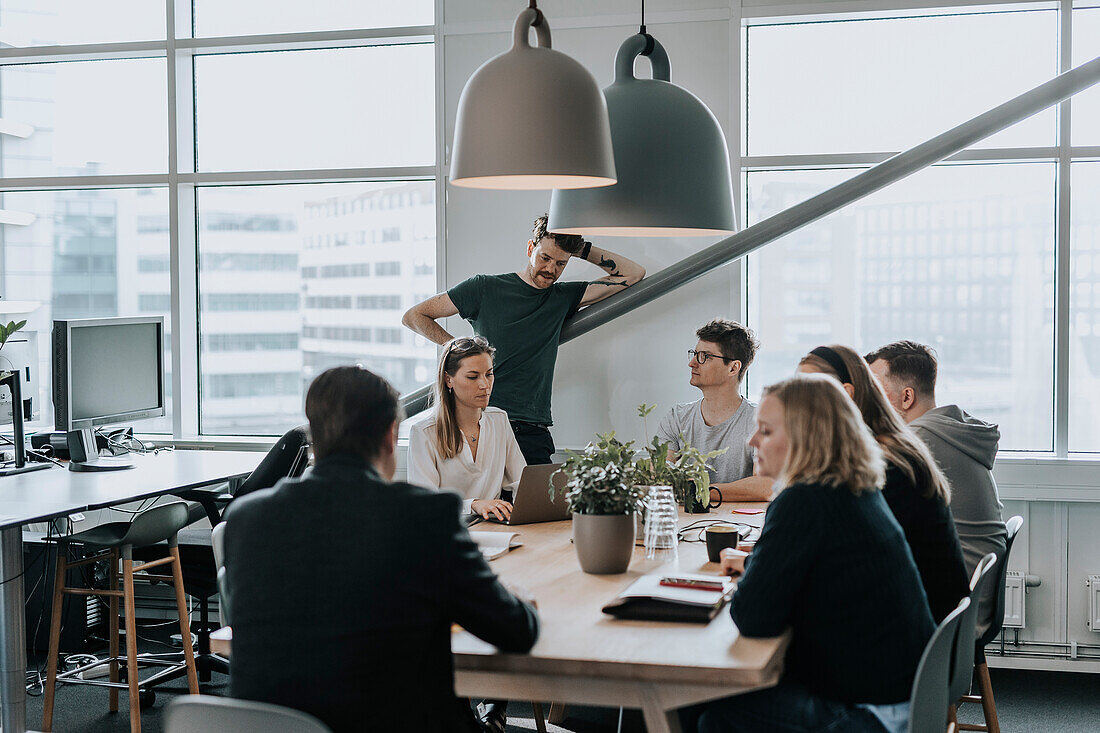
(116, 541)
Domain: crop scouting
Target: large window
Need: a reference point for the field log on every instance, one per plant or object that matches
(963, 256)
(181, 175)
(285, 259)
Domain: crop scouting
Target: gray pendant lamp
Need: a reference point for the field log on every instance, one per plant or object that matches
(532, 118)
(670, 154)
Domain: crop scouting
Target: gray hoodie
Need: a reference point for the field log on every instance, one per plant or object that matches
(965, 448)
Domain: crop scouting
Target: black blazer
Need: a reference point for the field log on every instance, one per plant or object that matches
(343, 589)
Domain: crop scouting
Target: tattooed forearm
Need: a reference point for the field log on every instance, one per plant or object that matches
(621, 284)
(607, 263)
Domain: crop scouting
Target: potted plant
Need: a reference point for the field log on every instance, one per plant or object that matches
(604, 497)
(684, 470)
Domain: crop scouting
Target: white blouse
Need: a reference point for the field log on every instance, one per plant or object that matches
(498, 465)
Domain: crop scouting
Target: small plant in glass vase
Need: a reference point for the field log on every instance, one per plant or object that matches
(604, 497)
(684, 470)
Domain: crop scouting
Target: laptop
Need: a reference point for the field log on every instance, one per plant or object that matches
(532, 503)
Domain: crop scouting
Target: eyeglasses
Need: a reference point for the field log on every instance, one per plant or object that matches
(466, 344)
(702, 356)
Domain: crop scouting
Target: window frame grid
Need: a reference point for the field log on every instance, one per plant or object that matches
(1062, 154)
(179, 48)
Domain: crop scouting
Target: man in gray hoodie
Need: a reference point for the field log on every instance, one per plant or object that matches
(963, 446)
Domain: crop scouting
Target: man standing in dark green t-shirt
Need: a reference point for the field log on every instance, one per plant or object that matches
(521, 314)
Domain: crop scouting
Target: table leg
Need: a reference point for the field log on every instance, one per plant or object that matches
(659, 720)
(13, 633)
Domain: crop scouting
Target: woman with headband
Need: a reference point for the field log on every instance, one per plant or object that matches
(915, 489)
(464, 444)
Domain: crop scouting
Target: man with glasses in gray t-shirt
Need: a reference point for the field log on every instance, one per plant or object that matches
(722, 418)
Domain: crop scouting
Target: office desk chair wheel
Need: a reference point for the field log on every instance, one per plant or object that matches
(147, 698)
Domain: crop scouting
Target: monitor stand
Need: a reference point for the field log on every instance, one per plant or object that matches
(12, 380)
(100, 464)
(12, 470)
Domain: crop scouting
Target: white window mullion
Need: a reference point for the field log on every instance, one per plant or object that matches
(181, 223)
(1062, 253)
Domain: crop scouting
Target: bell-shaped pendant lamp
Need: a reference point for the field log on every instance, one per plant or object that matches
(532, 118)
(670, 154)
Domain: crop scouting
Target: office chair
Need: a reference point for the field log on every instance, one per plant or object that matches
(931, 686)
(203, 713)
(962, 668)
(287, 458)
(153, 528)
(981, 670)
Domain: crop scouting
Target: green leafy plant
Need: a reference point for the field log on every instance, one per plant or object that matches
(685, 470)
(6, 331)
(602, 478)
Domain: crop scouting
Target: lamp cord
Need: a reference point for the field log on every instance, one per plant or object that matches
(642, 29)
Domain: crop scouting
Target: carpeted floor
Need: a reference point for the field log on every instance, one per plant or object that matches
(1026, 701)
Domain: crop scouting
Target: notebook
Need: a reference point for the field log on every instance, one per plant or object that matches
(495, 544)
(646, 599)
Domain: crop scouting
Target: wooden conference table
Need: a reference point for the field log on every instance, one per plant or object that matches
(55, 492)
(584, 656)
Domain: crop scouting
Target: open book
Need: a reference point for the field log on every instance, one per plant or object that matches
(495, 544)
(647, 599)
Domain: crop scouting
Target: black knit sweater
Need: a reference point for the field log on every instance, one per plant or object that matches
(930, 531)
(835, 568)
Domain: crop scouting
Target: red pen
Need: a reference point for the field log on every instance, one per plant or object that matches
(693, 583)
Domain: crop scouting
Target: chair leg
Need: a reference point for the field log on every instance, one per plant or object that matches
(185, 621)
(952, 715)
(113, 621)
(55, 637)
(131, 639)
(989, 707)
(540, 722)
(557, 713)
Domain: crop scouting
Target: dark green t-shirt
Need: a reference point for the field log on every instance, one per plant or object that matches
(524, 324)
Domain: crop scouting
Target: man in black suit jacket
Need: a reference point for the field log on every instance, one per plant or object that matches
(344, 586)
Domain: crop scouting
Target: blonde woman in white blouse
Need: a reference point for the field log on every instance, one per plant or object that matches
(465, 445)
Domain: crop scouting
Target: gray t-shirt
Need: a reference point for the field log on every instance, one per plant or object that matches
(733, 434)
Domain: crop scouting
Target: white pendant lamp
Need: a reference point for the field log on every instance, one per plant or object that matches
(532, 118)
(670, 154)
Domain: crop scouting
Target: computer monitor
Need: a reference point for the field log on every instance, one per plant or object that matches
(107, 370)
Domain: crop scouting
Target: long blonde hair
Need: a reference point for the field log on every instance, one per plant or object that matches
(828, 443)
(900, 444)
(448, 438)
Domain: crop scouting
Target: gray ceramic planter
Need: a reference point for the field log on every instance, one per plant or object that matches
(604, 542)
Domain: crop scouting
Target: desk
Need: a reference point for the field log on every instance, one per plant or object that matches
(584, 656)
(44, 495)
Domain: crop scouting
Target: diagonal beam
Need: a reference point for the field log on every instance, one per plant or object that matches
(863, 184)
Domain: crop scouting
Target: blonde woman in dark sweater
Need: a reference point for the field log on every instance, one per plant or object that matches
(831, 565)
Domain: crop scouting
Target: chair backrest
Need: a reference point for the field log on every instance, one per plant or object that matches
(930, 697)
(962, 669)
(223, 598)
(1012, 526)
(286, 458)
(156, 525)
(204, 713)
(217, 544)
